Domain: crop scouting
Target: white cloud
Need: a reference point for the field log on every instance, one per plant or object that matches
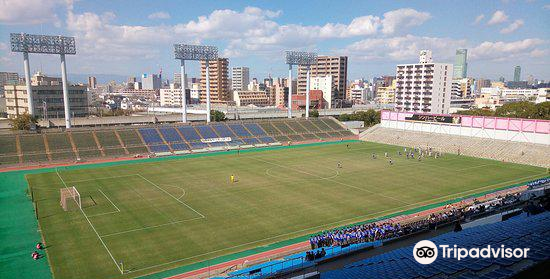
(546, 7)
(398, 20)
(498, 17)
(403, 48)
(479, 18)
(512, 27)
(250, 30)
(30, 12)
(159, 15)
(504, 50)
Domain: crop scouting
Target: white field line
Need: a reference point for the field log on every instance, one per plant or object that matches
(102, 178)
(109, 200)
(425, 202)
(93, 228)
(474, 167)
(330, 179)
(200, 214)
(151, 227)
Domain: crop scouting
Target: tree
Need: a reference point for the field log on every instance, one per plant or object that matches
(314, 113)
(517, 110)
(370, 117)
(543, 110)
(477, 111)
(217, 116)
(23, 122)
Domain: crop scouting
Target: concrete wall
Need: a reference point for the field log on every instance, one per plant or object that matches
(512, 129)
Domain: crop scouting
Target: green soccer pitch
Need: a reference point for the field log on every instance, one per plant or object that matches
(148, 217)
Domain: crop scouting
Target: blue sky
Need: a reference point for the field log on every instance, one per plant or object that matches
(135, 37)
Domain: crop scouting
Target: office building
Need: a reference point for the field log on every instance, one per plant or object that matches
(336, 67)
(517, 74)
(460, 68)
(240, 77)
(171, 97)
(47, 95)
(150, 82)
(219, 81)
(424, 87)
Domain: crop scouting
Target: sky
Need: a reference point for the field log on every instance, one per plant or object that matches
(129, 38)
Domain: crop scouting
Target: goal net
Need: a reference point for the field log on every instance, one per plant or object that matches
(69, 198)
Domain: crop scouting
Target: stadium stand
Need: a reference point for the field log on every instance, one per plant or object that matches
(523, 231)
(508, 151)
(79, 144)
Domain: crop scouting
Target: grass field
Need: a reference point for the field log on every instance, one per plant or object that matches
(157, 216)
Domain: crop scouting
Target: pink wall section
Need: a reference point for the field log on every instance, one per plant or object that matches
(499, 123)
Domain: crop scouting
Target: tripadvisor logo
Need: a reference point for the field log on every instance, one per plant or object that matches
(425, 252)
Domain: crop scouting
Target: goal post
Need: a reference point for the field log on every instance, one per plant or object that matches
(69, 195)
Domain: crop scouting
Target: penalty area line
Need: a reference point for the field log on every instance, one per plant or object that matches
(93, 228)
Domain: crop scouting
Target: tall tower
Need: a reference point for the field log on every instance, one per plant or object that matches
(461, 65)
(517, 73)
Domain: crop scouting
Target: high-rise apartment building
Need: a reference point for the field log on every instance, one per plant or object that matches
(219, 81)
(92, 82)
(240, 77)
(424, 87)
(335, 66)
(517, 74)
(324, 84)
(461, 65)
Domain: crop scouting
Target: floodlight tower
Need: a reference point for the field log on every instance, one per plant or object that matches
(300, 58)
(27, 43)
(194, 52)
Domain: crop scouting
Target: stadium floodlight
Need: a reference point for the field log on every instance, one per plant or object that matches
(44, 44)
(300, 58)
(194, 52)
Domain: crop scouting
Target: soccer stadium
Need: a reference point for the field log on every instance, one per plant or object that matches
(257, 154)
(279, 198)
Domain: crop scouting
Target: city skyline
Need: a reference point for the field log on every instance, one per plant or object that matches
(129, 40)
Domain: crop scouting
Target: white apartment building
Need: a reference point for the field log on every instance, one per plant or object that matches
(424, 87)
(170, 97)
(324, 83)
(240, 77)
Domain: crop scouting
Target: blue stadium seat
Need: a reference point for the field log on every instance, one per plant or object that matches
(189, 133)
(223, 131)
(255, 129)
(170, 134)
(206, 132)
(526, 232)
(239, 130)
(159, 148)
(251, 141)
(180, 146)
(150, 136)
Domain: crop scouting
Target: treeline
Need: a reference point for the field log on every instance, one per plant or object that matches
(515, 110)
(370, 117)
